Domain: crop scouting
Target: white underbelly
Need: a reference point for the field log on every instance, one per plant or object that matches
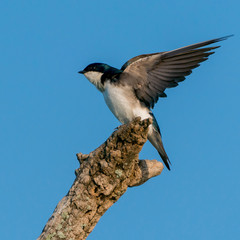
(123, 103)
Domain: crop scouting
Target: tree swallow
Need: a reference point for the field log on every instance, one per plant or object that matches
(133, 90)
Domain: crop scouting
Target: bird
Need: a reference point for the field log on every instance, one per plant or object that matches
(133, 90)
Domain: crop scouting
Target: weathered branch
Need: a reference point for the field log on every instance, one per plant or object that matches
(103, 177)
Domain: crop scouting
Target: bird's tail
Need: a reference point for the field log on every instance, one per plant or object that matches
(154, 136)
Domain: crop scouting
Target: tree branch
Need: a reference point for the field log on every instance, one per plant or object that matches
(103, 177)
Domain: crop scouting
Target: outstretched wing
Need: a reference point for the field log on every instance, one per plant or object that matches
(151, 74)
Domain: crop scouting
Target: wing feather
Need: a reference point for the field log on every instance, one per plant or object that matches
(151, 74)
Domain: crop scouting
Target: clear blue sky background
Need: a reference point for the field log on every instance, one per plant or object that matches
(49, 113)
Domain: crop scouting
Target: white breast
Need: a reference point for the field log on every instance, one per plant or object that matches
(123, 103)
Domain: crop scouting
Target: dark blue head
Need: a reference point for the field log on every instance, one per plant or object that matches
(98, 73)
(95, 67)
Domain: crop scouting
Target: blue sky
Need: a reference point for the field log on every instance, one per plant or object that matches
(49, 113)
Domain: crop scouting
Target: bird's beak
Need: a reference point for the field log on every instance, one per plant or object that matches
(82, 72)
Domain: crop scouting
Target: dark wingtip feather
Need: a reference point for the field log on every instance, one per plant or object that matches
(193, 46)
(165, 160)
(223, 38)
(215, 40)
(162, 94)
(167, 165)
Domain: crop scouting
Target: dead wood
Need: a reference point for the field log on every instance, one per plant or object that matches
(103, 177)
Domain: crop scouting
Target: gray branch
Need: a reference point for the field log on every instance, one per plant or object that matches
(103, 177)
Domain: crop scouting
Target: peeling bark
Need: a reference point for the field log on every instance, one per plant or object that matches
(103, 177)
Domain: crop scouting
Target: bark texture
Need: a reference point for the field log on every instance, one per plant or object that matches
(103, 177)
